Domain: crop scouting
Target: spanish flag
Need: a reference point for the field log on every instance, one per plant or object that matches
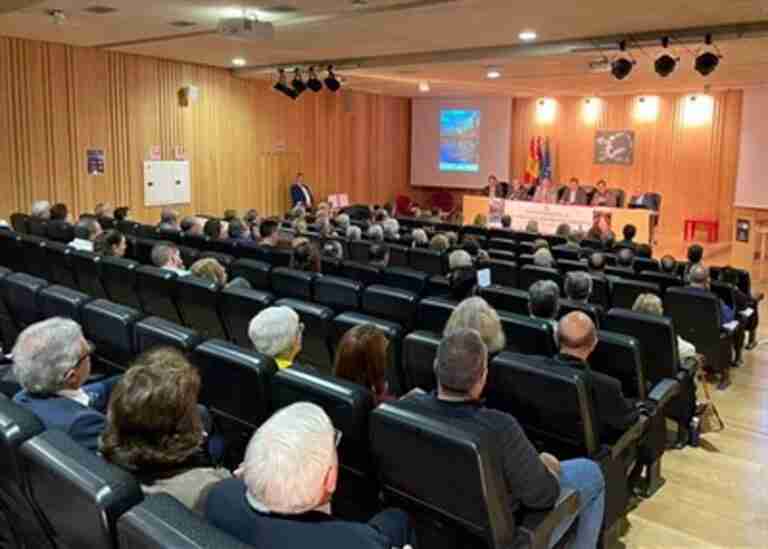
(532, 166)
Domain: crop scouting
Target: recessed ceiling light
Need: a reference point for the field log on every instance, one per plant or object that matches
(527, 35)
(424, 86)
(493, 73)
(239, 62)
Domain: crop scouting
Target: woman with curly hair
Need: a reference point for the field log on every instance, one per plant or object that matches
(155, 430)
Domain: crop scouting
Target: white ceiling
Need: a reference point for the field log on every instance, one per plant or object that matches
(331, 29)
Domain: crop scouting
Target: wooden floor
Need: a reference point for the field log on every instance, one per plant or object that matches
(716, 495)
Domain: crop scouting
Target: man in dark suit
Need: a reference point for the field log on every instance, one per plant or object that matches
(281, 494)
(578, 338)
(52, 363)
(301, 194)
(573, 194)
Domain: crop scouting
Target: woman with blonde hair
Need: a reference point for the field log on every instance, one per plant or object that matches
(474, 313)
(651, 304)
(209, 268)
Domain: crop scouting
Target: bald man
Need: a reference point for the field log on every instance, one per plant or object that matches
(578, 338)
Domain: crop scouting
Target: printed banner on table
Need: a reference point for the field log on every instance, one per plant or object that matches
(548, 216)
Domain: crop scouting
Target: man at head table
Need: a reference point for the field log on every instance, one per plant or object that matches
(519, 191)
(496, 189)
(546, 192)
(573, 194)
(602, 196)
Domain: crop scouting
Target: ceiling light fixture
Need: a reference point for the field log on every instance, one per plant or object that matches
(424, 86)
(528, 35)
(298, 84)
(622, 65)
(331, 82)
(282, 85)
(665, 64)
(239, 62)
(708, 61)
(313, 83)
(493, 73)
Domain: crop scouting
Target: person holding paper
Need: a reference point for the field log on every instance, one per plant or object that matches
(301, 194)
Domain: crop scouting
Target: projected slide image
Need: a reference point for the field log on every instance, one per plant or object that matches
(459, 140)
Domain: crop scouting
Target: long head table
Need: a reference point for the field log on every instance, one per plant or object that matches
(550, 216)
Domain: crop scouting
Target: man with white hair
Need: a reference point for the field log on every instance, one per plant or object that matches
(375, 233)
(354, 233)
(391, 228)
(41, 209)
(276, 332)
(281, 493)
(169, 220)
(51, 361)
(166, 255)
(86, 230)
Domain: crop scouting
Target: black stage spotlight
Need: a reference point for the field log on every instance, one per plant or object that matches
(707, 62)
(621, 66)
(282, 85)
(332, 82)
(665, 64)
(298, 84)
(312, 81)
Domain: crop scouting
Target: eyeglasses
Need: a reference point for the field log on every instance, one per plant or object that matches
(337, 437)
(91, 348)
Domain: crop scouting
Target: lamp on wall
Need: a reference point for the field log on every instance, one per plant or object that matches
(546, 109)
(698, 109)
(591, 109)
(646, 108)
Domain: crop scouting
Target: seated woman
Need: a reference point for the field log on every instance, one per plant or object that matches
(462, 278)
(306, 258)
(361, 357)
(651, 304)
(155, 431)
(743, 303)
(210, 269)
(110, 243)
(474, 313)
(277, 332)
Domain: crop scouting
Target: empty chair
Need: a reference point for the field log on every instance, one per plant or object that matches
(163, 521)
(340, 294)
(428, 261)
(235, 384)
(594, 312)
(366, 274)
(58, 257)
(156, 289)
(618, 355)
(663, 280)
(563, 253)
(531, 274)
(437, 285)
(645, 264)
(19, 222)
(62, 301)
(198, 302)
(237, 307)
(255, 272)
(330, 266)
(506, 244)
(34, 256)
(391, 304)
(154, 332)
(625, 292)
(568, 265)
(398, 255)
(316, 347)
(90, 494)
(434, 313)
(405, 279)
(118, 276)
(87, 265)
(502, 255)
(532, 336)
(292, 283)
(506, 299)
(601, 292)
(358, 250)
(111, 327)
(419, 352)
(11, 255)
(470, 455)
(141, 250)
(21, 297)
(503, 273)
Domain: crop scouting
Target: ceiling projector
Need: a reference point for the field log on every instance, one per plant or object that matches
(246, 28)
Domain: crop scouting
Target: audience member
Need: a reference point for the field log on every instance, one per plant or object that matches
(453, 239)
(375, 233)
(629, 232)
(268, 232)
(104, 210)
(596, 264)
(192, 226)
(578, 339)
(277, 332)
(111, 243)
(651, 304)
(540, 244)
(210, 269)
(362, 357)
(154, 429)
(306, 258)
(391, 228)
(378, 256)
(695, 257)
(544, 302)
(333, 249)
(532, 226)
(699, 280)
(41, 209)
(281, 496)
(165, 255)
(506, 219)
(744, 304)
(169, 220)
(481, 220)
(439, 243)
(52, 361)
(462, 277)
(543, 258)
(86, 230)
(563, 230)
(230, 215)
(602, 196)
(578, 286)
(354, 233)
(238, 232)
(342, 222)
(59, 212)
(215, 229)
(668, 265)
(645, 251)
(573, 194)
(251, 218)
(122, 213)
(420, 238)
(625, 259)
(326, 231)
(533, 481)
(474, 313)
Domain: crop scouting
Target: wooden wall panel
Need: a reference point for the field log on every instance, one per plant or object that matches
(244, 141)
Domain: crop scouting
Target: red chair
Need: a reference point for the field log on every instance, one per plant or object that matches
(445, 201)
(403, 205)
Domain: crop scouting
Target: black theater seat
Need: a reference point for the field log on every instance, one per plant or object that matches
(118, 275)
(510, 300)
(392, 304)
(505, 244)
(292, 283)
(530, 274)
(163, 521)
(340, 294)
(61, 231)
(87, 266)
(141, 250)
(21, 297)
(625, 292)
(255, 272)
(189, 255)
(361, 272)
(111, 327)
(198, 301)
(428, 261)
(224, 258)
(11, 256)
(61, 301)
(58, 257)
(664, 280)
(8, 329)
(594, 312)
(503, 273)
(316, 346)
(398, 255)
(20, 222)
(34, 256)
(155, 332)
(37, 227)
(531, 336)
(405, 279)
(237, 307)
(503, 255)
(641, 264)
(434, 313)
(358, 250)
(89, 496)
(437, 286)
(569, 265)
(157, 293)
(618, 356)
(419, 352)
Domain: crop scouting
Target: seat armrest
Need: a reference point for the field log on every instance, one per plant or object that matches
(689, 366)
(664, 391)
(630, 436)
(536, 527)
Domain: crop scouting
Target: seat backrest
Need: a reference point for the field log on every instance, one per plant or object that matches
(531, 274)
(363, 273)
(87, 265)
(60, 265)
(163, 521)
(726, 292)
(428, 261)
(503, 272)
(435, 446)
(169, 235)
(157, 293)
(112, 328)
(566, 253)
(89, 496)
(502, 255)
(37, 227)
(198, 301)
(154, 331)
(645, 264)
(696, 317)
(61, 301)
(21, 296)
(340, 294)
(618, 356)
(141, 250)
(551, 402)
(61, 231)
(664, 280)
(506, 244)
(189, 255)
(20, 222)
(594, 312)
(118, 275)
(34, 256)
(391, 303)
(601, 292)
(532, 336)
(626, 292)
(406, 279)
(657, 337)
(292, 283)
(570, 265)
(434, 313)
(316, 345)
(237, 307)
(126, 227)
(149, 232)
(510, 300)
(11, 255)
(359, 250)
(419, 352)
(398, 255)
(256, 272)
